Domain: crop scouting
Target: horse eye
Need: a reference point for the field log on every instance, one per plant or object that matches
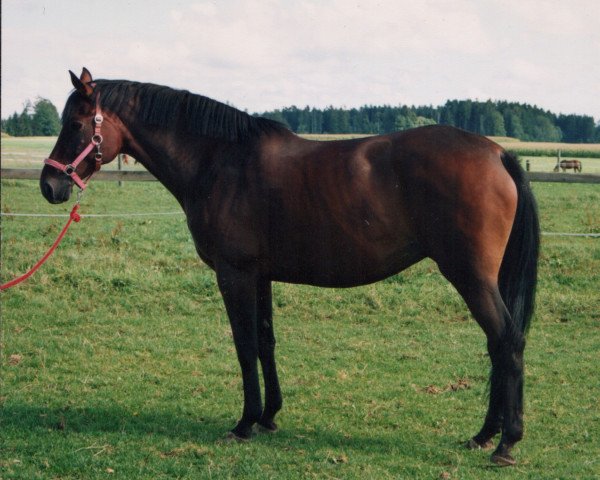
(76, 126)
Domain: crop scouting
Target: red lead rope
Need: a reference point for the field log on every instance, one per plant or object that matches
(73, 217)
(70, 170)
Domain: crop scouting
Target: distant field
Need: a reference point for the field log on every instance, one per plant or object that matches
(510, 142)
(25, 152)
(325, 137)
(29, 152)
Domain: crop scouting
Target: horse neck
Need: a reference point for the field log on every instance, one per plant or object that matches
(174, 160)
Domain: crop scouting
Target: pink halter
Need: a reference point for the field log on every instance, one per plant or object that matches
(95, 142)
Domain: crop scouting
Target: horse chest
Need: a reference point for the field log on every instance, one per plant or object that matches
(223, 234)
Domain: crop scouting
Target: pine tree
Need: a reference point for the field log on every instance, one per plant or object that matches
(45, 120)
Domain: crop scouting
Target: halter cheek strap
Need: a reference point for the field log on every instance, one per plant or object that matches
(95, 142)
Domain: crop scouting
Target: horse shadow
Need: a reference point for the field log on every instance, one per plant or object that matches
(22, 419)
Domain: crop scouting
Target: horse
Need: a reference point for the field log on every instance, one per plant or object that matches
(567, 164)
(264, 205)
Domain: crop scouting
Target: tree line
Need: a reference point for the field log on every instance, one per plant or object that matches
(522, 121)
(38, 119)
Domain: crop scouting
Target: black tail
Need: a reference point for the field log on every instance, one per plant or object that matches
(518, 273)
(517, 284)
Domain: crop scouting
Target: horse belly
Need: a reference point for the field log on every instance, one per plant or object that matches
(329, 256)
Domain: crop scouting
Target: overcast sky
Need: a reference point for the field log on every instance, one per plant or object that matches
(261, 55)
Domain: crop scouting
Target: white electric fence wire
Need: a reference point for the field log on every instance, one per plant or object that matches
(89, 215)
(152, 214)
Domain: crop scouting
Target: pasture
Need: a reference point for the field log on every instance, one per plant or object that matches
(117, 358)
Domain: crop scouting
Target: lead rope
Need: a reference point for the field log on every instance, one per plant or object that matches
(73, 217)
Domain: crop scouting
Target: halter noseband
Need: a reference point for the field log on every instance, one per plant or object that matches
(95, 142)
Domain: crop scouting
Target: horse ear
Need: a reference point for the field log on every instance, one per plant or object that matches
(86, 76)
(80, 86)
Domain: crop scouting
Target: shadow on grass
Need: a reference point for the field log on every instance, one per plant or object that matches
(24, 420)
(94, 420)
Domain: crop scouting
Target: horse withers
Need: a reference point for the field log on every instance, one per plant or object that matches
(265, 205)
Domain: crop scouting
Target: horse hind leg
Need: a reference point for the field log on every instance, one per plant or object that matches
(505, 347)
(487, 308)
(473, 268)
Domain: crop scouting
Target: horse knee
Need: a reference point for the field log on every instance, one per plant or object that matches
(266, 349)
(247, 355)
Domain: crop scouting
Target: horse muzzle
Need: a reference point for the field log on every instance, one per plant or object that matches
(56, 190)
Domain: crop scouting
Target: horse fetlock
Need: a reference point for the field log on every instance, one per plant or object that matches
(479, 444)
(274, 405)
(489, 430)
(514, 431)
(269, 413)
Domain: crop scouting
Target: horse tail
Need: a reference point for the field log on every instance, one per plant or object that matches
(518, 271)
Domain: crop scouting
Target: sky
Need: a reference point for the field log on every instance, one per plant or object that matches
(267, 54)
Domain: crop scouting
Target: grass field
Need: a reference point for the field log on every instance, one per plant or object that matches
(117, 360)
(29, 152)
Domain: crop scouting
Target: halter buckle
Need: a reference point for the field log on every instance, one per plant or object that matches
(69, 169)
(98, 118)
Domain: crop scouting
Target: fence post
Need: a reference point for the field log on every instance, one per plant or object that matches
(527, 165)
(119, 163)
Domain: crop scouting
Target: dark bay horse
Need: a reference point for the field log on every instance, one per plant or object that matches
(264, 205)
(565, 165)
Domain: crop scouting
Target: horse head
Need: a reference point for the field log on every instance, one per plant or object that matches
(88, 139)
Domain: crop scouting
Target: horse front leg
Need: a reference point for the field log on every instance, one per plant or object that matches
(266, 354)
(239, 289)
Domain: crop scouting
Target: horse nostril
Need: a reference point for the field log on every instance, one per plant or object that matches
(47, 190)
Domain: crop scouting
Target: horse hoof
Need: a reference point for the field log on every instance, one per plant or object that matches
(473, 444)
(232, 437)
(270, 427)
(505, 460)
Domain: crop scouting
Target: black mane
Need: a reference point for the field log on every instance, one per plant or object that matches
(179, 109)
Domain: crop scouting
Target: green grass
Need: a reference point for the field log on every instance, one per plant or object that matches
(118, 362)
